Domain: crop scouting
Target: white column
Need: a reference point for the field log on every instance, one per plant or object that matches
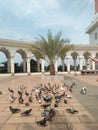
(42, 66)
(80, 62)
(28, 65)
(93, 64)
(68, 63)
(8, 65)
(24, 65)
(12, 65)
(56, 67)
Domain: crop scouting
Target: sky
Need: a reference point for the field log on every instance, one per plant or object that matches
(26, 19)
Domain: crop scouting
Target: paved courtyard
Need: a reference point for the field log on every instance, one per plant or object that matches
(85, 119)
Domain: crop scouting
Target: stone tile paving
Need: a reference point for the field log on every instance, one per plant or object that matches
(90, 100)
(83, 120)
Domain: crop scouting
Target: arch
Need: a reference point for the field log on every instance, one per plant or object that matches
(22, 53)
(5, 51)
(22, 66)
(86, 55)
(6, 64)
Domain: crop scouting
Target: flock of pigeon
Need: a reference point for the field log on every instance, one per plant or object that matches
(45, 95)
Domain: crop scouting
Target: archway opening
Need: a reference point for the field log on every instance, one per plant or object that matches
(3, 63)
(18, 63)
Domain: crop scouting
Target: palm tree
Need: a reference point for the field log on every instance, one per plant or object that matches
(51, 49)
(63, 65)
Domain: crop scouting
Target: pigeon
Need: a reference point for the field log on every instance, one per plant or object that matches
(70, 89)
(45, 105)
(27, 112)
(26, 93)
(56, 104)
(50, 112)
(63, 94)
(21, 100)
(12, 99)
(37, 97)
(42, 122)
(71, 111)
(74, 82)
(39, 101)
(27, 104)
(69, 96)
(54, 92)
(58, 98)
(45, 89)
(62, 89)
(47, 98)
(20, 93)
(65, 101)
(11, 90)
(1, 93)
(14, 110)
(30, 98)
(49, 87)
(22, 87)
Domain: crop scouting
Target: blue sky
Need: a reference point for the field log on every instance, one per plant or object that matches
(26, 19)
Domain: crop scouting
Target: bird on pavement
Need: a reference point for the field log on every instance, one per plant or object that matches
(27, 112)
(10, 90)
(21, 100)
(56, 104)
(50, 115)
(65, 101)
(47, 98)
(42, 122)
(12, 98)
(45, 105)
(14, 110)
(26, 93)
(1, 93)
(30, 98)
(49, 112)
(71, 111)
(19, 93)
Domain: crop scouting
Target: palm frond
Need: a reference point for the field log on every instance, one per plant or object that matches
(51, 48)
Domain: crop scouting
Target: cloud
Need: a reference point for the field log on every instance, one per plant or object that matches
(22, 18)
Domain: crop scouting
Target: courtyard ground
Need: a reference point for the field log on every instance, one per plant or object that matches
(85, 119)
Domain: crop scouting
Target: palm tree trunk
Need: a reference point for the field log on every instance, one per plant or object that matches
(63, 66)
(52, 69)
(38, 65)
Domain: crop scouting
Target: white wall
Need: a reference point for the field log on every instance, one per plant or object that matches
(92, 39)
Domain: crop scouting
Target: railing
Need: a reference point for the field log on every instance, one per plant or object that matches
(83, 72)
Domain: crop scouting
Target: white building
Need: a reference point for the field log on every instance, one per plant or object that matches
(92, 29)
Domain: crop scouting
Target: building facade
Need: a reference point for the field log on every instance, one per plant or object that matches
(92, 29)
(76, 57)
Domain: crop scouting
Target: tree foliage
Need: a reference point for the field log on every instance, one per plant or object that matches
(51, 48)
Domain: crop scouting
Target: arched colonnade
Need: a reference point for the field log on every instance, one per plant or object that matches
(80, 52)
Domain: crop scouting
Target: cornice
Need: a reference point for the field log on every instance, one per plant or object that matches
(85, 47)
(92, 26)
(24, 44)
(14, 43)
